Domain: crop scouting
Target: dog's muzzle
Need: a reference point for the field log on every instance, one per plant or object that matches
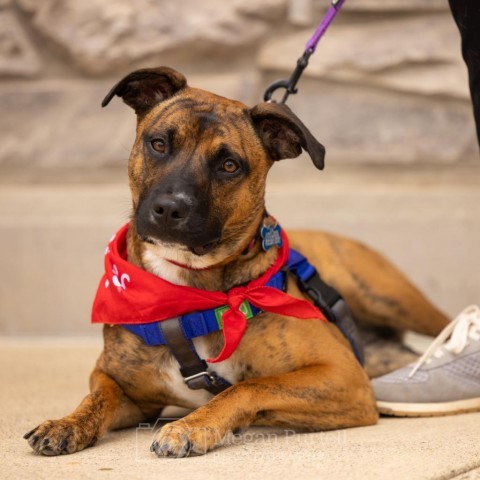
(175, 218)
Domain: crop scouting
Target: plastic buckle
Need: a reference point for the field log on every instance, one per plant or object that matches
(312, 288)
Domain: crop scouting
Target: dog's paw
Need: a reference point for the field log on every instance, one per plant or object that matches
(59, 437)
(179, 439)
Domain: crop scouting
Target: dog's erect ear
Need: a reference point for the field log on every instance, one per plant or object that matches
(143, 89)
(284, 135)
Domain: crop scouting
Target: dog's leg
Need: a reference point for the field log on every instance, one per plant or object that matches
(326, 397)
(105, 408)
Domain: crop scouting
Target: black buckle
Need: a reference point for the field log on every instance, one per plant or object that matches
(194, 370)
(206, 380)
(197, 381)
(317, 290)
(197, 377)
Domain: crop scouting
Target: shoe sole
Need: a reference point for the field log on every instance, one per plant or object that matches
(428, 409)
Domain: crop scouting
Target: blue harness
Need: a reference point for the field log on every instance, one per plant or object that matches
(198, 324)
(201, 323)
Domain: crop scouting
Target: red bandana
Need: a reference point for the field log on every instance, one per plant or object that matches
(130, 295)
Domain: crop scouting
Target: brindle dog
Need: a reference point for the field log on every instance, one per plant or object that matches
(197, 176)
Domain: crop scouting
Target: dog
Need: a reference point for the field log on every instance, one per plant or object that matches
(197, 175)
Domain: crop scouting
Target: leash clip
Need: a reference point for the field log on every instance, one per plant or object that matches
(289, 85)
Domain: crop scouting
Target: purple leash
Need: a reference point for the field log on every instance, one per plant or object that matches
(290, 85)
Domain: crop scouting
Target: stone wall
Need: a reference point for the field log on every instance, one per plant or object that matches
(385, 92)
(387, 83)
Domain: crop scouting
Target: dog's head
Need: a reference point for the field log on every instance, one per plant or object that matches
(199, 164)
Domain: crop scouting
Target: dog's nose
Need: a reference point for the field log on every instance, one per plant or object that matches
(169, 209)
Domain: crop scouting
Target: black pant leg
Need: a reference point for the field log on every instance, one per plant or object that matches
(467, 17)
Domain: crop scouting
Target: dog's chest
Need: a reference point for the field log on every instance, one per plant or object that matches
(229, 370)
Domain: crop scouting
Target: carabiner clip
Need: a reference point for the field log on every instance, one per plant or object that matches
(271, 89)
(289, 85)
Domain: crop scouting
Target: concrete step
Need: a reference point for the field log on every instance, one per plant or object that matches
(396, 448)
(54, 227)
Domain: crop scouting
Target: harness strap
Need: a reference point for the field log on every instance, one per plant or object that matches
(200, 323)
(334, 307)
(194, 370)
(177, 333)
(327, 299)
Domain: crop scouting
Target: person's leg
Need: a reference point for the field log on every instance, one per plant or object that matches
(467, 17)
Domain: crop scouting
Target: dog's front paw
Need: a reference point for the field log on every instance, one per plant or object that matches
(181, 439)
(59, 437)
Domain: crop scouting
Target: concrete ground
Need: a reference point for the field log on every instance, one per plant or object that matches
(46, 378)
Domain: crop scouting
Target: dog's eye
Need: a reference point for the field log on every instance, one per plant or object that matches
(230, 166)
(159, 145)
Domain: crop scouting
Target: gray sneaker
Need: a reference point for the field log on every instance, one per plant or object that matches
(444, 381)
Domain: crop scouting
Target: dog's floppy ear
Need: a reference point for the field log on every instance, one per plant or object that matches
(284, 135)
(143, 89)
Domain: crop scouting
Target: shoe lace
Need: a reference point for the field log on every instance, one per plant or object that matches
(464, 327)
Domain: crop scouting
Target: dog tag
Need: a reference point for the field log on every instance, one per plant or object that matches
(271, 236)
